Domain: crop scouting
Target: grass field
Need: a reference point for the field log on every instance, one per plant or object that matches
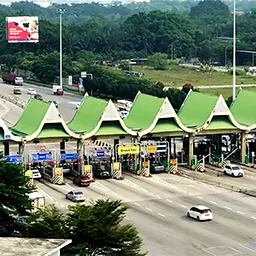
(177, 76)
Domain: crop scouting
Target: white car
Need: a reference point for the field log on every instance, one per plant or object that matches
(233, 170)
(36, 174)
(75, 196)
(200, 213)
(31, 91)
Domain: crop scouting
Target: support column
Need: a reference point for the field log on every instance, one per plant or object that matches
(6, 149)
(218, 144)
(116, 142)
(21, 148)
(190, 149)
(62, 146)
(79, 151)
(243, 147)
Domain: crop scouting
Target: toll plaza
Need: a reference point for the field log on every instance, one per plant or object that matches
(204, 130)
(69, 162)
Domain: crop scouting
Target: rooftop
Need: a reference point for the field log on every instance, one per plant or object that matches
(12, 246)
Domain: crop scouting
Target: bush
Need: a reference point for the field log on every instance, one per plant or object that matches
(239, 72)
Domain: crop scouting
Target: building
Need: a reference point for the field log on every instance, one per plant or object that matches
(12, 246)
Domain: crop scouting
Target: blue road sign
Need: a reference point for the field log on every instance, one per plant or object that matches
(13, 159)
(100, 153)
(74, 156)
(48, 156)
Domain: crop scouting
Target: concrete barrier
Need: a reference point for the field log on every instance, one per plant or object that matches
(14, 100)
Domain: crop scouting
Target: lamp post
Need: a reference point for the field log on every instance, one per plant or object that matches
(234, 51)
(61, 12)
(172, 49)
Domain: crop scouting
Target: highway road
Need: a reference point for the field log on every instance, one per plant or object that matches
(67, 102)
(158, 205)
(158, 208)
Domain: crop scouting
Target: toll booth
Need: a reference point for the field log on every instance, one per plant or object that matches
(100, 160)
(157, 154)
(127, 157)
(69, 163)
(48, 166)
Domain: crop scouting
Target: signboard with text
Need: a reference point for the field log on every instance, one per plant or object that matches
(100, 153)
(47, 156)
(125, 150)
(13, 159)
(74, 156)
(22, 29)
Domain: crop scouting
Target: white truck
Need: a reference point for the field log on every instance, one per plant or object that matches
(57, 90)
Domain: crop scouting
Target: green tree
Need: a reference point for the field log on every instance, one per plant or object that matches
(14, 199)
(94, 229)
(158, 61)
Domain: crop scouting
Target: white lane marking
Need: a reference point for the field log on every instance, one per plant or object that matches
(191, 194)
(253, 217)
(158, 196)
(162, 215)
(126, 218)
(136, 204)
(213, 202)
(226, 207)
(185, 191)
(44, 193)
(149, 209)
(133, 185)
(192, 186)
(240, 212)
(173, 178)
(247, 248)
(183, 206)
(168, 200)
(199, 197)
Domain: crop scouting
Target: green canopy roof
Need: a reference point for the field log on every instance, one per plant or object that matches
(108, 128)
(31, 118)
(88, 115)
(196, 109)
(52, 131)
(243, 108)
(143, 112)
(220, 123)
(166, 125)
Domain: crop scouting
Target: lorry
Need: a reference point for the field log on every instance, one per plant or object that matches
(12, 79)
(57, 90)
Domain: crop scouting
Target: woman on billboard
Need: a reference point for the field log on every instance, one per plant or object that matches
(33, 32)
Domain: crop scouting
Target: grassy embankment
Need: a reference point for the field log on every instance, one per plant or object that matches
(177, 76)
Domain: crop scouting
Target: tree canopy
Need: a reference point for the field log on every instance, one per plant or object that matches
(14, 199)
(96, 229)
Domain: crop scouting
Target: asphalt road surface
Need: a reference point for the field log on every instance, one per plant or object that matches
(158, 208)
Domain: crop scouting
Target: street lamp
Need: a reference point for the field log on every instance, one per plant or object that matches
(172, 50)
(61, 11)
(234, 51)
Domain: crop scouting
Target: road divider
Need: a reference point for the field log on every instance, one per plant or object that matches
(14, 100)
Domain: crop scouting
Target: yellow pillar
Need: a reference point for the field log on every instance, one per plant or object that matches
(190, 148)
(243, 147)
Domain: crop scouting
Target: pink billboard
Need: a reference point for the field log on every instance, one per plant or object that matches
(22, 29)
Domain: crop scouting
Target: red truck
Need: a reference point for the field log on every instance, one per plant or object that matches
(12, 79)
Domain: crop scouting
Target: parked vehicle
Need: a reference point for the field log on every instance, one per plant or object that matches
(38, 97)
(82, 180)
(16, 90)
(156, 167)
(75, 196)
(54, 102)
(57, 90)
(233, 170)
(12, 79)
(31, 91)
(200, 213)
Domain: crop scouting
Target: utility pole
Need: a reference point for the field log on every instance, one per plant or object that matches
(234, 51)
(61, 12)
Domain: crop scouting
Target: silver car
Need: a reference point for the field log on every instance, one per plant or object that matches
(75, 196)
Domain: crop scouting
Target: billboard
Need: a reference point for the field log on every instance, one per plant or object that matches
(22, 29)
